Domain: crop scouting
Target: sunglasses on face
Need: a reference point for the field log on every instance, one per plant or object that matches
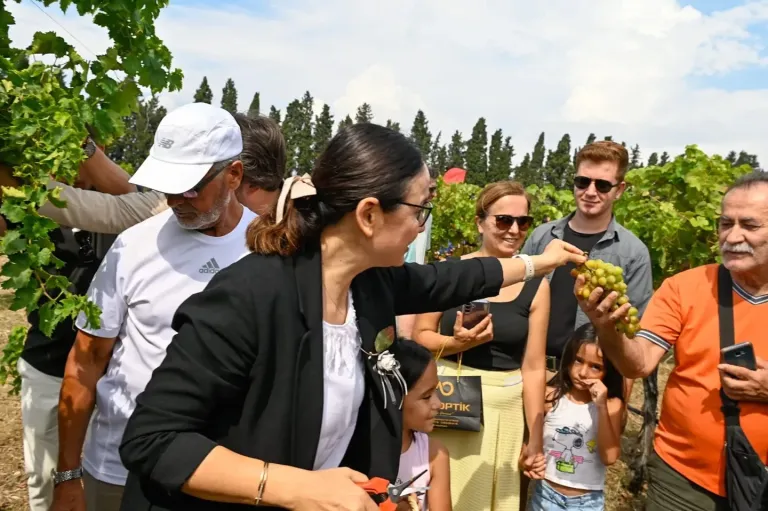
(194, 192)
(601, 185)
(505, 222)
(424, 211)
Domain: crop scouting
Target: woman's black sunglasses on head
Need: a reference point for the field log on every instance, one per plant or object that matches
(601, 185)
(505, 222)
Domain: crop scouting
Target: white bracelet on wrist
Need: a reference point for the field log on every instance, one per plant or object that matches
(529, 269)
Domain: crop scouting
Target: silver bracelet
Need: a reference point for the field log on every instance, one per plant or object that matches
(529, 269)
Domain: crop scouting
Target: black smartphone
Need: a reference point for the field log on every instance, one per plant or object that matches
(474, 312)
(742, 355)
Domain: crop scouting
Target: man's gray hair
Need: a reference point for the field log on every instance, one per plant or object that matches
(748, 181)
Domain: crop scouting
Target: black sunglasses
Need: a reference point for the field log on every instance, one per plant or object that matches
(505, 222)
(601, 185)
(194, 192)
(424, 211)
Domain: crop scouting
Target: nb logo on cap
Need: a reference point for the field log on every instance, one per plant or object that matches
(165, 143)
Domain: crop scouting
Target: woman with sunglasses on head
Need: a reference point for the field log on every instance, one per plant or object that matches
(506, 349)
(278, 389)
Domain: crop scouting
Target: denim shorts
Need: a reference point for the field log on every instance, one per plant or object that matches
(546, 498)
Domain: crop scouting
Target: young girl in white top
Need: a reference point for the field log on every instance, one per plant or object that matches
(419, 452)
(582, 427)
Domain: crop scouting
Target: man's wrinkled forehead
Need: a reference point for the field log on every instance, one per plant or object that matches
(747, 203)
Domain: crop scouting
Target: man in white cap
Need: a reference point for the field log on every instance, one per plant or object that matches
(148, 272)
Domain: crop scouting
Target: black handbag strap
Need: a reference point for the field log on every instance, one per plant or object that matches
(730, 407)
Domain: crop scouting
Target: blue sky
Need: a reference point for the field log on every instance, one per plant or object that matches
(708, 6)
(658, 73)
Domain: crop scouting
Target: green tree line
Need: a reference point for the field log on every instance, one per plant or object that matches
(486, 155)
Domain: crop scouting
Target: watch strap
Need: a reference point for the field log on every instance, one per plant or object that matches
(67, 475)
(89, 147)
(529, 269)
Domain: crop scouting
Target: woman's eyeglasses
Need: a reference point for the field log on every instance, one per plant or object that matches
(424, 211)
(601, 185)
(505, 222)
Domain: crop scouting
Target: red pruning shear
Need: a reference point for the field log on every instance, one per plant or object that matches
(388, 495)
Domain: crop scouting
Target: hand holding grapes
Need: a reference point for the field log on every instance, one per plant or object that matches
(556, 254)
(593, 280)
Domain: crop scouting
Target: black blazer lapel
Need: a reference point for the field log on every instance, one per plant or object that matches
(375, 446)
(308, 400)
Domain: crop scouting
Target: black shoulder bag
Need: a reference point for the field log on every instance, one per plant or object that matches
(746, 476)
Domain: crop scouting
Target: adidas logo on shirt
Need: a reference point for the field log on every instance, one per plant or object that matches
(210, 267)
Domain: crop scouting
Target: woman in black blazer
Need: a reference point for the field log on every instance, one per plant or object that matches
(273, 380)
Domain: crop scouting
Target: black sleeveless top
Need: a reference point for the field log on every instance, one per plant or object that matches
(510, 333)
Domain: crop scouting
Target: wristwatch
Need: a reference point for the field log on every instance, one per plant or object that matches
(529, 269)
(89, 147)
(66, 475)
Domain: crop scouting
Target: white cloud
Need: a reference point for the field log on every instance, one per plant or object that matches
(618, 67)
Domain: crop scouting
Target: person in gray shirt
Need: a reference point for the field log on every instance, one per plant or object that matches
(599, 182)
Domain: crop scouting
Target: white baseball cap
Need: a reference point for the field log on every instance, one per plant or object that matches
(188, 141)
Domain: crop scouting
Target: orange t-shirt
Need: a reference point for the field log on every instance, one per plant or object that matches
(684, 313)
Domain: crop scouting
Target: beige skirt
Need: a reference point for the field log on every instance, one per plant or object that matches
(484, 469)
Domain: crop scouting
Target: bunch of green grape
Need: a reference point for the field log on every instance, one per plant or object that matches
(599, 273)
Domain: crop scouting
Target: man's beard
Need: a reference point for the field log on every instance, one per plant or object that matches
(210, 218)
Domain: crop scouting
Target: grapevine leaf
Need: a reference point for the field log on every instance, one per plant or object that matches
(26, 298)
(13, 243)
(109, 59)
(38, 226)
(48, 43)
(92, 315)
(69, 307)
(54, 196)
(12, 191)
(58, 282)
(11, 355)
(22, 279)
(45, 111)
(44, 257)
(12, 269)
(102, 19)
(47, 318)
(126, 98)
(13, 211)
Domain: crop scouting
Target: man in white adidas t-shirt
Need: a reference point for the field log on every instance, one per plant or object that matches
(149, 271)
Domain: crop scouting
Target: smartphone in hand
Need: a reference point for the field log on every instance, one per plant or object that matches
(742, 355)
(474, 312)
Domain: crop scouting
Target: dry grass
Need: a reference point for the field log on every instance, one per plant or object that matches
(13, 487)
(13, 491)
(617, 497)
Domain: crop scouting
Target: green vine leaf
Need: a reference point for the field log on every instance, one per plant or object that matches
(49, 43)
(47, 111)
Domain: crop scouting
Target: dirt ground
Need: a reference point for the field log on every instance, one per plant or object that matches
(13, 491)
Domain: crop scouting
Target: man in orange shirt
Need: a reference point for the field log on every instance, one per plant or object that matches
(687, 470)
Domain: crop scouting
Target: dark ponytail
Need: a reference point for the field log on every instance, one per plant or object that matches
(362, 160)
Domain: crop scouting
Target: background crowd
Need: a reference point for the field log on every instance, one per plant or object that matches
(238, 360)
